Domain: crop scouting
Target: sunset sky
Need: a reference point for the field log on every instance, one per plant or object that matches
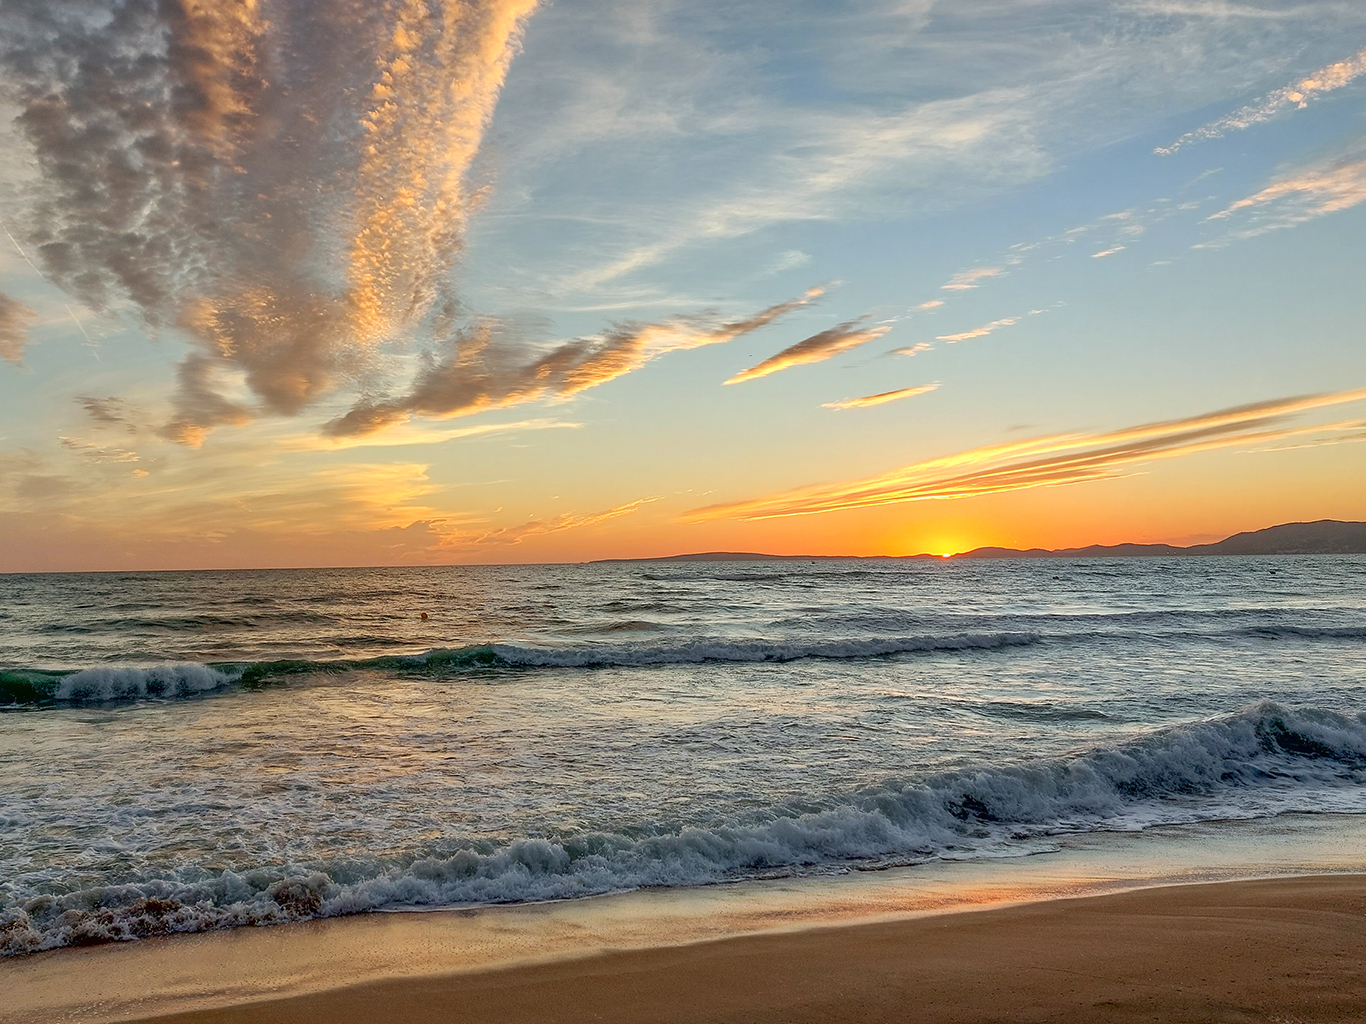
(323, 282)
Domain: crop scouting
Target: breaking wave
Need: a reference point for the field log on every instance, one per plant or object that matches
(113, 683)
(1266, 760)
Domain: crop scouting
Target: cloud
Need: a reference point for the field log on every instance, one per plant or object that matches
(285, 183)
(659, 145)
(980, 332)
(107, 411)
(818, 347)
(880, 399)
(1045, 461)
(1318, 436)
(199, 403)
(539, 527)
(789, 260)
(409, 434)
(965, 280)
(15, 321)
(98, 452)
(482, 374)
(1107, 252)
(931, 304)
(912, 350)
(1296, 96)
(1304, 195)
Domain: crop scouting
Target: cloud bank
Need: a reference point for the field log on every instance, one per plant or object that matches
(283, 180)
(815, 349)
(1045, 461)
(15, 321)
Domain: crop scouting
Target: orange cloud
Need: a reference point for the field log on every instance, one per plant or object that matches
(880, 399)
(539, 527)
(481, 375)
(980, 332)
(15, 321)
(814, 349)
(1305, 195)
(1043, 462)
(965, 280)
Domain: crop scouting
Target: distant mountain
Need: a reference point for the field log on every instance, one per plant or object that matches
(1325, 537)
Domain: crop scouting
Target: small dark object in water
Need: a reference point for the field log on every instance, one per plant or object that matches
(424, 616)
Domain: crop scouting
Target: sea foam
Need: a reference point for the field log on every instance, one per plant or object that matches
(1267, 760)
(188, 679)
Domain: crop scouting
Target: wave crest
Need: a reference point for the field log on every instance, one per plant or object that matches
(187, 679)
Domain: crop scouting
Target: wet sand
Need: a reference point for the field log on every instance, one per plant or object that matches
(1290, 950)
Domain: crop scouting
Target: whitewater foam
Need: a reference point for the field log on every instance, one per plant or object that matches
(1267, 760)
(189, 679)
(114, 682)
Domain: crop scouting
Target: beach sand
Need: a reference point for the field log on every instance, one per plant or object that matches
(1289, 951)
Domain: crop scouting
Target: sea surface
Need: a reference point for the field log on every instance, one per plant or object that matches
(188, 751)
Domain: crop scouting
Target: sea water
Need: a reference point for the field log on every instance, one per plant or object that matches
(187, 751)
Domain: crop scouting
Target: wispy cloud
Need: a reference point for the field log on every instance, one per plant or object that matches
(912, 350)
(881, 399)
(538, 527)
(1107, 252)
(1302, 196)
(1296, 96)
(99, 453)
(965, 280)
(483, 374)
(15, 321)
(1045, 461)
(401, 435)
(818, 347)
(109, 411)
(931, 304)
(980, 332)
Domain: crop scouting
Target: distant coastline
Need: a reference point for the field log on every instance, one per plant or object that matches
(1324, 537)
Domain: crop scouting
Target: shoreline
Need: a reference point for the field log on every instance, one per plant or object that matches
(1286, 949)
(231, 975)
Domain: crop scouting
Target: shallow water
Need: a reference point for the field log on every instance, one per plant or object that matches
(198, 750)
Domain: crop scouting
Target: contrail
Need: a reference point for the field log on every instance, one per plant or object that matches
(90, 342)
(20, 250)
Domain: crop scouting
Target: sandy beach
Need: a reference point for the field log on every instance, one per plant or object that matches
(1279, 950)
(1285, 950)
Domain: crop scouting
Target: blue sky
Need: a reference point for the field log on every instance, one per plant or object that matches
(416, 292)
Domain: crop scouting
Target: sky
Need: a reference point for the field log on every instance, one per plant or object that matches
(385, 282)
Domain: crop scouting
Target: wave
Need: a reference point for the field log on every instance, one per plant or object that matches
(111, 683)
(1267, 760)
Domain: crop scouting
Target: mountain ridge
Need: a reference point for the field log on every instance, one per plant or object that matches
(1321, 537)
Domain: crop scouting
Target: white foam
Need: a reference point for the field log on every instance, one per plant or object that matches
(699, 651)
(1265, 761)
(123, 682)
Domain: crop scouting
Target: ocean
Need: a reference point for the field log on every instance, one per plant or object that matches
(201, 750)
